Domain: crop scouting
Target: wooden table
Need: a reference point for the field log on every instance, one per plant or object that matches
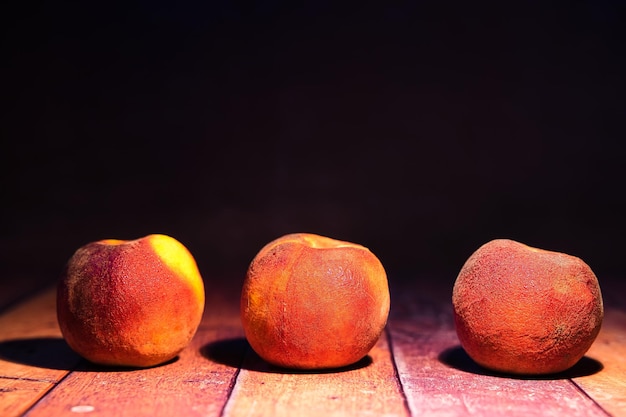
(416, 369)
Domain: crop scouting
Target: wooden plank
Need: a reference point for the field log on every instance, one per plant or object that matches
(369, 388)
(193, 385)
(33, 355)
(16, 395)
(11, 293)
(18, 288)
(608, 387)
(436, 376)
(440, 380)
(198, 383)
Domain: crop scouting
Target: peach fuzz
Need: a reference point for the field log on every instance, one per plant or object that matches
(523, 310)
(312, 302)
(131, 303)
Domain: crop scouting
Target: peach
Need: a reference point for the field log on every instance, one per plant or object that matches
(131, 303)
(312, 302)
(523, 310)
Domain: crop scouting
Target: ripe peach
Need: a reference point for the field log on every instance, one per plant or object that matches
(523, 310)
(312, 302)
(130, 303)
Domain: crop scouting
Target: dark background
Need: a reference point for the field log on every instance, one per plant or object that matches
(419, 129)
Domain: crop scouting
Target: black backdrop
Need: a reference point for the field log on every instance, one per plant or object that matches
(419, 129)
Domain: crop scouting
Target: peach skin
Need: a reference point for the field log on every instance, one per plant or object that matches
(131, 303)
(312, 302)
(523, 310)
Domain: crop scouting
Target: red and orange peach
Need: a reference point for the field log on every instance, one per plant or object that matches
(312, 302)
(523, 310)
(130, 303)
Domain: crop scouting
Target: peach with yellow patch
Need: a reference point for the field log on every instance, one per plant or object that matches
(312, 302)
(523, 310)
(130, 303)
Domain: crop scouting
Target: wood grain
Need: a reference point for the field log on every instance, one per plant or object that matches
(197, 383)
(193, 385)
(33, 355)
(440, 380)
(417, 368)
(369, 388)
(16, 286)
(608, 387)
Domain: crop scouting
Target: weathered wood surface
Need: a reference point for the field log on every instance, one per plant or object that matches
(197, 383)
(16, 290)
(370, 388)
(33, 355)
(608, 387)
(417, 368)
(192, 385)
(439, 379)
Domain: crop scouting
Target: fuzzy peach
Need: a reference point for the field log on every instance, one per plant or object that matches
(523, 310)
(130, 303)
(312, 302)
